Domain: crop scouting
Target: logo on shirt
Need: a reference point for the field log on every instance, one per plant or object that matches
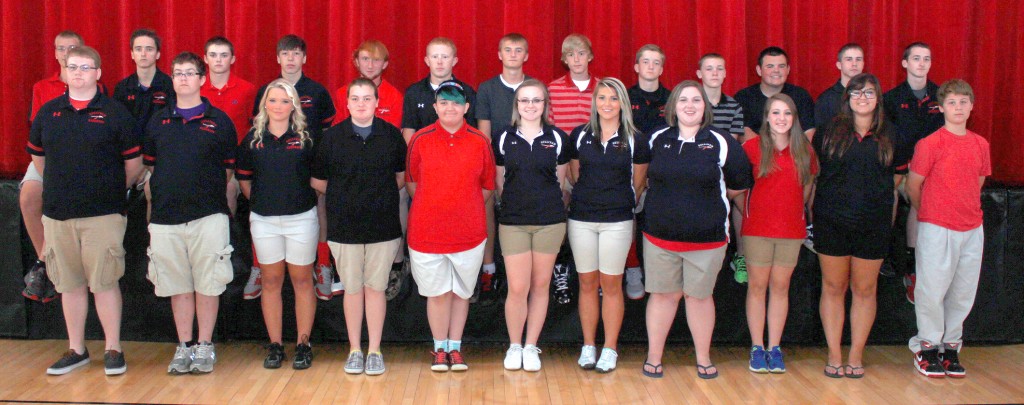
(98, 117)
(514, 143)
(165, 121)
(294, 144)
(234, 101)
(420, 105)
(383, 111)
(933, 108)
(131, 97)
(547, 144)
(667, 146)
(615, 144)
(636, 107)
(159, 98)
(208, 126)
(56, 113)
(306, 101)
(705, 146)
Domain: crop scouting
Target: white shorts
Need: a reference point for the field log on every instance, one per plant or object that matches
(292, 238)
(31, 174)
(436, 274)
(600, 246)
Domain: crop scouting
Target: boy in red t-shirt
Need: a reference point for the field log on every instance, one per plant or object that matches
(944, 185)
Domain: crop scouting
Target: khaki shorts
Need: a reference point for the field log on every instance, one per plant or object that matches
(85, 251)
(517, 239)
(600, 246)
(194, 256)
(31, 174)
(364, 265)
(767, 252)
(436, 274)
(694, 272)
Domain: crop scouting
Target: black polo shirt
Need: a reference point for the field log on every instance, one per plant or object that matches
(362, 193)
(142, 104)
(279, 168)
(752, 100)
(686, 200)
(828, 104)
(854, 189)
(316, 103)
(189, 157)
(604, 191)
(531, 194)
(648, 107)
(85, 152)
(418, 106)
(913, 118)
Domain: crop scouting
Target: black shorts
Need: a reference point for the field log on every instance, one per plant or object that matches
(869, 241)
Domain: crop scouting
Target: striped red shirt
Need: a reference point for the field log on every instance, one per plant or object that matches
(570, 107)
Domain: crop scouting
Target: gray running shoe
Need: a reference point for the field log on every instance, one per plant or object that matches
(354, 364)
(204, 359)
(323, 276)
(375, 364)
(253, 287)
(182, 360)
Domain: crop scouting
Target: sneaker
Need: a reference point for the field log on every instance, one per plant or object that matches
(609, 358)
(68, 362)
(775, 363)
(253, 287)
(204, 359)
(456, 362)
(739, 268)
(560, 278)
(182, 361)
(399, 271)
(634, 283)
(37, 285)
(927, 363)
(113, 363)
(323, 275)
(487, 288)
(375, 364)
(514, 357)
(355, 363)
(275, 355)
(809, 240)
(910, 281)
(588, 357)
(337, 288)
(304, 356)
(440, 361)
(951, 362)
(531, 358)
(758, 360)
(887, 269)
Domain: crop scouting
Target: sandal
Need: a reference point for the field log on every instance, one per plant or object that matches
(702, 371)
(849, 371)
(657, 373)
(833, 371)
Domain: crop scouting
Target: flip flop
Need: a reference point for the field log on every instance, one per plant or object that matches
(702, 371)
(834, 373)
(849, 371)
(657, 373)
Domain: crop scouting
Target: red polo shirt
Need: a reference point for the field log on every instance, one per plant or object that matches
(775, 205)
(570, 107)
(46, 90)
(235, 99)
(389, 104)
(450, 171)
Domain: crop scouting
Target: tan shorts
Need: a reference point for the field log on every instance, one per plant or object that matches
(194, 256)
(364, 265)
(693, 272)
(600, 246)
(517, 239)
(767, 252)
(436, 274)
(85, 251)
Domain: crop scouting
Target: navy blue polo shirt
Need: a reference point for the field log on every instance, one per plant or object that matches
(686, 198)
(189, 156)
(828, 104)
(85, 152)
(418, 105)
(914, 118)
(316, 103)
(531, 194)
(752, 100)
(854, 189)
(362, 193)
(648, 107)
(279, 169)
(143, 103)
(604, 192)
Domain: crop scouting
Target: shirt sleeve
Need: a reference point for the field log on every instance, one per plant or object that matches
(805, 107)
(986, 157)
(737, 170)
(820, 113)
(483, 110)
(256, 101)
(244, 159)
(471, 114)
(499, 158)
(409, 117)
(737, 120)
(923, 158)
(573, 140)
(642, 149)
(130, 137)
(563, 155)
(326, 109)
(412, 165)
(319, 168)
(34, 146)
(489, 171)
(228, 144)
(401, 152)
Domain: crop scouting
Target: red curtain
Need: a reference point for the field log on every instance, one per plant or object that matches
(980, 41)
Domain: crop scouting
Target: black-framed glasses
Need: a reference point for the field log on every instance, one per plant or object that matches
(83, 68)
(185, 75)
(866, 93)
(531, 100)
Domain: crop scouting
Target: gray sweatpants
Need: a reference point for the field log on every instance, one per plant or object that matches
(948, 268)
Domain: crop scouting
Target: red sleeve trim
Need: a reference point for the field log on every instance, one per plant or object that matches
(131, 151)
(244, 172)
(33, 147)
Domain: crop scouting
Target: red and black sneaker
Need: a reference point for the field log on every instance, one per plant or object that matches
(951, 362)
(910, 281)
(927, 363)
(440, 362)
(456, 361)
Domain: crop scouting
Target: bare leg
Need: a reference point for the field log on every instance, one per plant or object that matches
(588, 306)
(757, 288)
(305, 299)
(661, 312)
(270, 300)
(835, 280)
(519, 273)
(354, 304)
(700, 317)
(76, 307)
(864, 283)
(108, 307)
(460, 312)
(778, 304)
(31, 201)
(184, 308)
(439, 315)
(612, 308)
(206, 312)
(540, 283)
(376, 308)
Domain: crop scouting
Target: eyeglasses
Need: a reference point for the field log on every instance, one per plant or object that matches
(866, 93)
(83, 68)
(531, 101)
(185, 75)
(62, 48)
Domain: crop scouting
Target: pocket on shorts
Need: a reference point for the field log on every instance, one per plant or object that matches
(113, 269)
(223, 273)
(152, 272)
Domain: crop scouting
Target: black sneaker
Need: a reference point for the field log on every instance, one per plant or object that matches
(927, 363)
(487, 288)
(303, 356)
(951, 363)
(560, 279)
(37, 286)
(275, 355)
(69, 362)
(113, 363)
(887, 269)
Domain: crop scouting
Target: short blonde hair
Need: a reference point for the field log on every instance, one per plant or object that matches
(375, 48)
(443, 41)
(574, 42)
(954, 86)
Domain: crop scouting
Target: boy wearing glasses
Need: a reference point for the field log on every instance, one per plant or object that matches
(850, 62)
(83, 203)
(189, 147)
(148, 89)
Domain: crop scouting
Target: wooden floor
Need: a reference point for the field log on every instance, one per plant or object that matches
(994, 375)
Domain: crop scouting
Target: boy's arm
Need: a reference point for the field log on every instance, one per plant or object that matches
(913, 188)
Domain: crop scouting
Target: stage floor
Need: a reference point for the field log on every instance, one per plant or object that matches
(994, 375)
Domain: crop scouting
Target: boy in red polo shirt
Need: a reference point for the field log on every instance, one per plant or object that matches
(371, 60)
(571, 94)
(944, 185)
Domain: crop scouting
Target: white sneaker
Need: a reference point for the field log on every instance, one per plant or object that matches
(609, 358)
(634, 283)
(514, 357)
(531, 358)
(588, 357)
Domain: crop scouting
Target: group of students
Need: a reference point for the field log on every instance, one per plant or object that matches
(577, 159)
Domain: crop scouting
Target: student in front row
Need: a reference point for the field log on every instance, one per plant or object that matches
(189, 147)
(360, 166)
(944, 184)
(83, 203)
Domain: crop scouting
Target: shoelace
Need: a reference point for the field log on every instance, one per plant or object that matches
(561, 278)
(456, 357)
(533, 349)
(440, 357)
(181, 353)
(203, 351)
